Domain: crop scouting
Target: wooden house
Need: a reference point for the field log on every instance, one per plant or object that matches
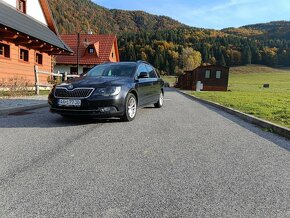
(89, 50)
(28, 37)
(213, 78)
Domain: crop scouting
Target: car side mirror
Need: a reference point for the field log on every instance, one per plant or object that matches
(143, 75)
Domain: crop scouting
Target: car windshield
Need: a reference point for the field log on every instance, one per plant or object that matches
(112, 70)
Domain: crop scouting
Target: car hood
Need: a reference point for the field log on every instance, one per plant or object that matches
(95, 82)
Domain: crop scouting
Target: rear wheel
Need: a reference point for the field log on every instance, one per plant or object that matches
(130, 108)
(160, 101)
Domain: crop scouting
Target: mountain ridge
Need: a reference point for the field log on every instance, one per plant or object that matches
(170, 45)
(273, 29)
(103, 20)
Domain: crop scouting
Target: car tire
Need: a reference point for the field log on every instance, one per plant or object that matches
(130, 108)
(160, 101)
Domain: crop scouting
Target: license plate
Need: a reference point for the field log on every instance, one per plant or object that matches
(69, 102)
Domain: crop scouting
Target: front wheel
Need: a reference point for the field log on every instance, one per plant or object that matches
(130, 108)
(160, 101)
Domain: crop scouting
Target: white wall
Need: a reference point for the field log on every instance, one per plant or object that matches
(33, 9)
(11, 2)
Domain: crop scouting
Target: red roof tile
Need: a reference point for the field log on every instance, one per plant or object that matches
(106, 43)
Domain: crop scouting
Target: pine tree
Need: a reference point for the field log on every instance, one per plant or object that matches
(246, 56)
(222, 61)
(132, 53)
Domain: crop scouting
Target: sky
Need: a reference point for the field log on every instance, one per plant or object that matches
(213, 14)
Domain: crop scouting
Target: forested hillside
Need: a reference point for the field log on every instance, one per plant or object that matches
(272, 30)
(165, 49)
(172, 46)
(81, 15)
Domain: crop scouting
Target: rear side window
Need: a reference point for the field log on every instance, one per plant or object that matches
(158, 73)
(152, 73)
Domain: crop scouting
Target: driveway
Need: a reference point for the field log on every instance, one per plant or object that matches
(183, 160)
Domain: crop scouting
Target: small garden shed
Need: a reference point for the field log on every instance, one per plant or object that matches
(213, 78)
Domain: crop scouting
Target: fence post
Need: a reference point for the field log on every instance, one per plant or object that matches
(65, 76)
(36, 80)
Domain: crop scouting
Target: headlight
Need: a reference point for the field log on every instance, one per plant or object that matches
(52, 90)
(108, 91)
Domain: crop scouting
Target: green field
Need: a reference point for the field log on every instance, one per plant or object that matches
(169, 79)
(246, 93)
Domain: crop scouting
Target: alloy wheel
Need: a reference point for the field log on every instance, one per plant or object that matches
(132, 106)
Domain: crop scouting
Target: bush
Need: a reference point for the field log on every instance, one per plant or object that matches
(15, 86)
(55, 80)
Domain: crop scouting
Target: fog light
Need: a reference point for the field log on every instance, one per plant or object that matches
(105, 109)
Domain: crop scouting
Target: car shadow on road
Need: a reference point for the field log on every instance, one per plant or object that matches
(149, 107)
(43, 119)
(272, 137)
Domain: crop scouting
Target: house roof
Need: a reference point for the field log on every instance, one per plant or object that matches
(103, 45)
(211, 66)
(23, 23)
(48, 16)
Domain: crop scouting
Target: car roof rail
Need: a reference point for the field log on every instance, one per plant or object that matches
(144, 62)
(107, 62)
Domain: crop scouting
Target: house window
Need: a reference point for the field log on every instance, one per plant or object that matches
(4, 50)
(21, 5)
(112, 55)
(86, 69)
(207, 74)
(38, 58)
(23, 55)
(218, 74)
(74, 70)
(91, 50)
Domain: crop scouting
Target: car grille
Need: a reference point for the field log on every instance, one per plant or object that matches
(74, 93)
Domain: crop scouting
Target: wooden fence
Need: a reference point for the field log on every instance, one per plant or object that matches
(58, 74)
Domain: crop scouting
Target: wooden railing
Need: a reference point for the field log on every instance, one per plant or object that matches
(58, 74)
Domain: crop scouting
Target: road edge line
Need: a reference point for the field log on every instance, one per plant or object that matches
(280, 130)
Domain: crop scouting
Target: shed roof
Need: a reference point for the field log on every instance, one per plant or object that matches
(23, 23)
(210, 66)
(206, 66)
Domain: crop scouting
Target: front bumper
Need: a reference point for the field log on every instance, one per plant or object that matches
(88, 113)
(113, 106)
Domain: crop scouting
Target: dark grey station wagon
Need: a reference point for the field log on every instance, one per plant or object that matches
(109, 90)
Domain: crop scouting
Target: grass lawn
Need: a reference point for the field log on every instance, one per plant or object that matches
(22, 93)
(246, 93)
(169, 79)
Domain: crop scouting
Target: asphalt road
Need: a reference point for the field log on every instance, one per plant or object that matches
(183, 160)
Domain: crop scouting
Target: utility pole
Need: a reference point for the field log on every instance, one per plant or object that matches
(78, 45)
